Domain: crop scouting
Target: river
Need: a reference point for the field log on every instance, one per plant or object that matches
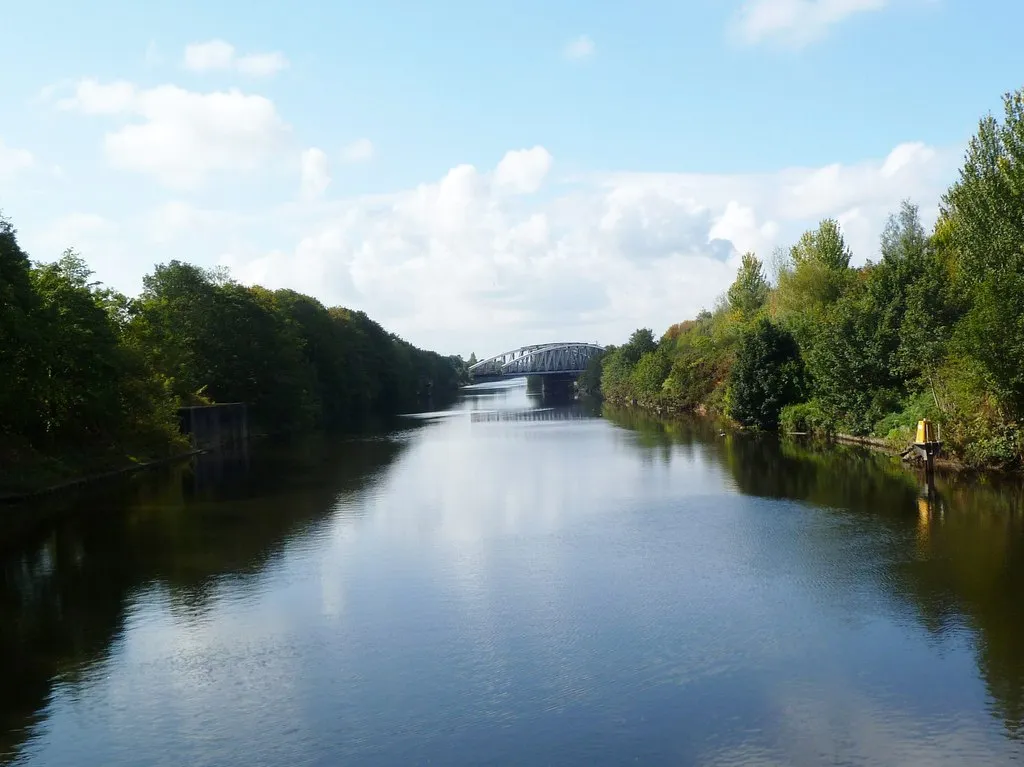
(513, 582)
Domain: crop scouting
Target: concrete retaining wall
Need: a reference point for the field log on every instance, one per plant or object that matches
(214, 427)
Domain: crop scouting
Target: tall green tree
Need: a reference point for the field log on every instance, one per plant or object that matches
(985, 208)
(648, 376)
(824, 246)
(850, 361)
(18, 333)
(640, 343)
(749, 292)
(813, 277)
(768, 375)
(77, 390)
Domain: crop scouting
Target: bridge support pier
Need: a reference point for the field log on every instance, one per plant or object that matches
(554, 387)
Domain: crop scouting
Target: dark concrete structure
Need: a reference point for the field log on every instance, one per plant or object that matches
(215, 427)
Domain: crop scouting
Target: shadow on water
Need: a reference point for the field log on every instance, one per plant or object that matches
(65, 596)
(956, 558)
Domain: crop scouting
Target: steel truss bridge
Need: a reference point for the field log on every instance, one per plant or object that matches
(555, 359)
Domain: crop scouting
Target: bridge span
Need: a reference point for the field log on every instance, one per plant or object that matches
(563, 359)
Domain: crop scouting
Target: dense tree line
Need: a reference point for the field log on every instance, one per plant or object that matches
(90, 376)
(933, 328)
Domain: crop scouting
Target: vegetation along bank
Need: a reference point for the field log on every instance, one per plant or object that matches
(933, 329)
(92, 380)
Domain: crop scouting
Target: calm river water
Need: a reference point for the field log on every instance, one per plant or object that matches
(510, 583)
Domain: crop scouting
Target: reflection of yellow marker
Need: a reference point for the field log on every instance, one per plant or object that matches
(923, 511)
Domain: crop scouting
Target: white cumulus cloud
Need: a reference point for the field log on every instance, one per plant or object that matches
(316, 173)
(523, 171)
(795, 22)
(578, 48)
(462, 264)
(480, 258)
(261, 64)
(218, 55)
(180, 136)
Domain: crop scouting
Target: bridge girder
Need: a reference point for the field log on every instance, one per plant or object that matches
(569, 358)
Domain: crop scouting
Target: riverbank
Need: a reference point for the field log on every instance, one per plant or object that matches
(885, 446)
(665, 413)
(49, 475)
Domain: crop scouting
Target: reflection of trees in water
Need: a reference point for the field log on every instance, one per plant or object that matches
(969, 570)
(664, 438)
(63, 599)
(572, 412)
(955, 559)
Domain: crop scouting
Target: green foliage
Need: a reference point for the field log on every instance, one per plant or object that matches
(812, 277)
(692, 378)
(999, 447)
(589, 383)
(19, 333)
(749, 292)
(92, 376)
(805, 418)
(767, 375)
(616, 374)
(985, 208)
(851, 361)
(824, 246)
(648, 376)
(899, 427)
(640, 343)
(934, 329)
(77, 390)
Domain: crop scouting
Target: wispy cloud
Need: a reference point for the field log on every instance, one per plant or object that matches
(316, 173)
(360, 150)
(794, 23)
(218, 55)
(580, 48)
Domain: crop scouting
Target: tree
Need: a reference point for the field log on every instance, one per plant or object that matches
(814, 276)
(749, 292)
(824, 246)
(854, 350)
(615, 375)
(19, 333)
(640, 342)
(985, 210)
(767, 376)
(589, 382)
(91, 376)
(648, 376)
(77, 389)
(851, 362)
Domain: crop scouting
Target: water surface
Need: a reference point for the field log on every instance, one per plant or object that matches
(515, 582)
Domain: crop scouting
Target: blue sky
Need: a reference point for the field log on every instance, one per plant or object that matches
(658, 132)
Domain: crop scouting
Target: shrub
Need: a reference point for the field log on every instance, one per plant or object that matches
(805, 418)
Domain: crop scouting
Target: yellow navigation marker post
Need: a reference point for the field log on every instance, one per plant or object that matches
(927, 445)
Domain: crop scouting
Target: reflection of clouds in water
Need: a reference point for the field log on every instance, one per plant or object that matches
(185, 688)
(510, 586)
(837, 724)
(470, 494)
